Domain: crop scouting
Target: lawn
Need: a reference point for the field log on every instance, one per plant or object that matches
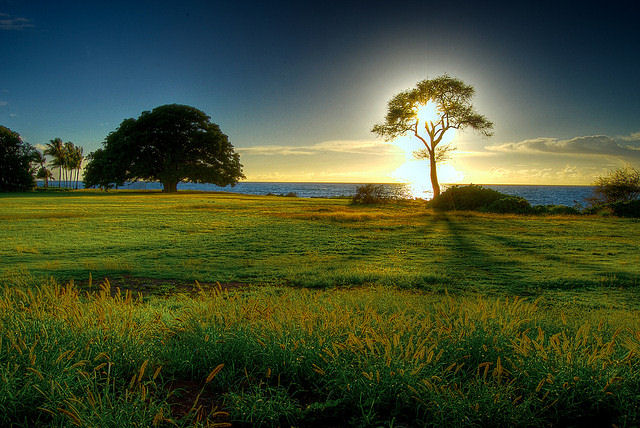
(325, 314)
(152, 237)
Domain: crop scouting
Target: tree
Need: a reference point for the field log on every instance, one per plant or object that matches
(170, 144)
(16, 172)
(55, 148)
(41, 160)
(427, 112)
(77, 162)
(620, 185)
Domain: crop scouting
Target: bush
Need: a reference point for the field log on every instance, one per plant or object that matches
(370, 194)
(626, 209)
(623, 184)
(470, 197)
(510, 204)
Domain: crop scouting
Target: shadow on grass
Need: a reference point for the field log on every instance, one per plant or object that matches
(522, 277)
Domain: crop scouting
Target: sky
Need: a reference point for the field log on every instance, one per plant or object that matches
(297, 86)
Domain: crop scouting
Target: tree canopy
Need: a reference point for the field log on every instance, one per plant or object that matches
(170, 144)
(449, 103)
(620, 185)
(16, 156)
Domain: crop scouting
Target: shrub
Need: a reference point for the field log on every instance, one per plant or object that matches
(470, 197)
(510, 204)
(370, 194)
(626, 209)
(623, 184)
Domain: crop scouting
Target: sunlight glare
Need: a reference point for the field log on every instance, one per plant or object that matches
(415, 173)
(427, 113)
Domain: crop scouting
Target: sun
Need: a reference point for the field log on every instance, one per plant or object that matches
(427, 113)
(415, 174)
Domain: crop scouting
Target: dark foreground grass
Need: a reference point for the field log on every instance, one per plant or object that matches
(286, 356)
(308, 242)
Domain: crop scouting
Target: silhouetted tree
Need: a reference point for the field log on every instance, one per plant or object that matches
(449, 100)
(41, 160)
(55, 149)
(170, 144)
(16, 156)
(623, 184)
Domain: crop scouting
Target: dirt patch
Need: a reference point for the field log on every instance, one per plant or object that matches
(190, 397)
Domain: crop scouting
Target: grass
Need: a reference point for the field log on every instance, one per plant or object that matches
(287, 356)
(328, 314)
(309, 242)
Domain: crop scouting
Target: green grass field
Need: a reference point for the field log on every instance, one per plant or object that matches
(310, 242)
(328, 314)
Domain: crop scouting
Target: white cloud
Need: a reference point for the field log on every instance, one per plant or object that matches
(627, 147)
(8, 22)
(370, 147)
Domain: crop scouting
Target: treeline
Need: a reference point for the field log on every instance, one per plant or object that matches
(67, 158)
(21, 163)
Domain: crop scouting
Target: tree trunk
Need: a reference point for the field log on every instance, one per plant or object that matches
(434, 177)
(170, 186)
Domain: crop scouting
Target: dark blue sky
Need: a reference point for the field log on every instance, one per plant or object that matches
(296, 84)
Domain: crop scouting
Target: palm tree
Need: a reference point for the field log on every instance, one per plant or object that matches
(55, 148)
(40, 159)
(76, 162)
(69, 161)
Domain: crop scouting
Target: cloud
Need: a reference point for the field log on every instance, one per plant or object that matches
(369, 147)
(625, 147)
(3, 103)
(8, 22)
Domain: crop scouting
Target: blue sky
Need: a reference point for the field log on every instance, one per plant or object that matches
(297, 86)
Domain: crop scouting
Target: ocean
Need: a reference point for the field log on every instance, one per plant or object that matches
(536, 195)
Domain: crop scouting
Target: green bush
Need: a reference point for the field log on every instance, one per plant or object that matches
(370, 194)
(623, 184)
(510, 204)
(626, 209)
(470, 197)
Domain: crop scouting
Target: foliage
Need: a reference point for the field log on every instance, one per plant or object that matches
(171, 143)
(370, 194)
(153, 239)
(465, 198)
(16, 156)
(626, 208)
(103, 169)
(623, 184)
(453, 110)
(67, 158)
(510, 204)
(277, 356)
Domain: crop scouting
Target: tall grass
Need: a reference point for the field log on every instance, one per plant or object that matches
(275, 356)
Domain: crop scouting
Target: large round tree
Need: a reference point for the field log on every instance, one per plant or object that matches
(16, 156)
(170, 144)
